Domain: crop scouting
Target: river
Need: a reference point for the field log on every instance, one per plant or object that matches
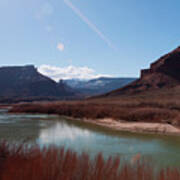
(47, 130)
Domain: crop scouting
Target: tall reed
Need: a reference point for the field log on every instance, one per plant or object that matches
(21, 162)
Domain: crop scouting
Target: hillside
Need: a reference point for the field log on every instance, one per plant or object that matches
(153, 98)
(27, 82)
(162, 74)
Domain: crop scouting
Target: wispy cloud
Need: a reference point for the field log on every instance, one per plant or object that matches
(45, 10)
(49, 28)
(69, 72)
(90, 24)
(60, 46)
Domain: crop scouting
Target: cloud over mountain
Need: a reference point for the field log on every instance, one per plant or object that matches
(69, 72)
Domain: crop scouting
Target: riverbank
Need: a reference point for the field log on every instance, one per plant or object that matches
(141, 118)
(5, 106)
(136, 127)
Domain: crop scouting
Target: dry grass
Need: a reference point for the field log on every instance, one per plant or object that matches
(132, 110)
(32, 163)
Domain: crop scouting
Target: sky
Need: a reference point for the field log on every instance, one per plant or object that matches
(87, 38)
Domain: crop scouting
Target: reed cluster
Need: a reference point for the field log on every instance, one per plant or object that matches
(134, 112)
(21, 162)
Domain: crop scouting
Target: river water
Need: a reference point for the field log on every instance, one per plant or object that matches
(47, 130)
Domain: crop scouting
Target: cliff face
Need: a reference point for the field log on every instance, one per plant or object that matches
(168, 65)
(163, 73)
(26, 81)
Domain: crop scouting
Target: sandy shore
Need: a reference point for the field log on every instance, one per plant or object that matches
(140, 127)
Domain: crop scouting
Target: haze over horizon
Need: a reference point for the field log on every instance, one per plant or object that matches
(87, 39)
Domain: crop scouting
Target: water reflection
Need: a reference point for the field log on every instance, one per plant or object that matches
(83, 137)
(62, 132)
(22, 127)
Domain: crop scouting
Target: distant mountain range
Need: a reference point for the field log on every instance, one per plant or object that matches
(25, 82)
(163, 75)
(97, 86)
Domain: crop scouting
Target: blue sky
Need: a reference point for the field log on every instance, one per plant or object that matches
(87, 38)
